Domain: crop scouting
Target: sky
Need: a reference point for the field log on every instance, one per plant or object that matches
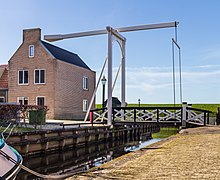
(149, 58)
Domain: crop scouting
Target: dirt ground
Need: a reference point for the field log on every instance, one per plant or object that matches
(192, 154)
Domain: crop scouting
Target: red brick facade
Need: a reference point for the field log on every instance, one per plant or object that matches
(62, 90)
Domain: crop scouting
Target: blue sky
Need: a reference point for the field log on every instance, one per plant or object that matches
(149, 55)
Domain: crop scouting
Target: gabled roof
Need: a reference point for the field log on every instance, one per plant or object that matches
(3, 76)
(65, 55)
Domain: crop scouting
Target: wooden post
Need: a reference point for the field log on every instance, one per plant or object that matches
(184, 114)
(204, 118)
(91, 117)
(158, 118)
(135, 116)
(189, 112)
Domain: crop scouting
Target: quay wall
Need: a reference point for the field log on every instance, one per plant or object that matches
(43, 141)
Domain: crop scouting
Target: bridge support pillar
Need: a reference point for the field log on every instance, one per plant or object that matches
(184, 114)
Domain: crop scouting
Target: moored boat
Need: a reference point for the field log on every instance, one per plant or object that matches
(10, 161)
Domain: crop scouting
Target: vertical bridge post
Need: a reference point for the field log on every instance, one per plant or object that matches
(184, 111)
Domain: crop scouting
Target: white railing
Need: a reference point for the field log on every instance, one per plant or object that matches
(153, 114)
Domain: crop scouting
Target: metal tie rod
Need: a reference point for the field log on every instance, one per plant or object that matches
(99, 32)
(177, 45)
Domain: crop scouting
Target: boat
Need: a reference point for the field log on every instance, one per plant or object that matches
(10, 161)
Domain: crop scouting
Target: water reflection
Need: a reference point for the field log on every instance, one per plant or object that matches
(79, 159)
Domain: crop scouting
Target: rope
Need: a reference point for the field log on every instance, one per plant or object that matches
(34, 172)
(2, 134)
(10, 132)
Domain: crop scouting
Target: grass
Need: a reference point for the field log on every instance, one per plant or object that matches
(17, 129)
(165, 132)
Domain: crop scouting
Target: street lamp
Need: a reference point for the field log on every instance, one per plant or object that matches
(139, 102)
(103, 90)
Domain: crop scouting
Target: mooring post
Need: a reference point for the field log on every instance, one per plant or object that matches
(184, 111)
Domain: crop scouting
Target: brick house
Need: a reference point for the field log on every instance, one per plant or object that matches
(3, 83)
(43, 74)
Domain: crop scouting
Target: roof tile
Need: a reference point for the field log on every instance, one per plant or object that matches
(65, 55)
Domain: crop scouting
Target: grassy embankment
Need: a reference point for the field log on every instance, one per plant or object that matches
(165, 132)
(17, 129)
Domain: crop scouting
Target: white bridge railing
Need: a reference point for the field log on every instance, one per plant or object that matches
(180, 115)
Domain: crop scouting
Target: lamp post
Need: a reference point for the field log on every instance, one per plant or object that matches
(103, 90)
(139, 102)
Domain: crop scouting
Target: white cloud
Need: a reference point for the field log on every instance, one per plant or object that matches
(155, 84)
(212, 54)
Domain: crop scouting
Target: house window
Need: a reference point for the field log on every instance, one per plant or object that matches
(23, 100)
(2, 99)
(39, 76)
(23, 77)
(31, 51)
(40, 101)
(85, 105)
(85, 83)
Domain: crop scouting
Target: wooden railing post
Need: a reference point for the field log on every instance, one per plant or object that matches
(204, 118)
(158, 118)
(207, 117)
(189, 112)
(184, 114)
(135, 116)
(113, 116)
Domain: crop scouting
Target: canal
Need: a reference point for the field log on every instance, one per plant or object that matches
(80, 159)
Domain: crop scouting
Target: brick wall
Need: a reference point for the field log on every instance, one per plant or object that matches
(41, 60)
(69, 93)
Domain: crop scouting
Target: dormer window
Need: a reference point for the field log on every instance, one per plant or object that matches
(31, 51)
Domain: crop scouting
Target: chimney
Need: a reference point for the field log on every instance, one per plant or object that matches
(32, 35)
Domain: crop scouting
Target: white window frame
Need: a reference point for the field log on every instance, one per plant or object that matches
(2, 97)
(40, 75)
(23, 78)
(31, 51)
(85, 105)
(85, 83)
(41, 97)
(23, 99)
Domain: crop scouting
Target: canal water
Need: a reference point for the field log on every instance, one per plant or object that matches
(78, 159)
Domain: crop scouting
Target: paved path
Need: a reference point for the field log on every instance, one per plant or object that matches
(56, 124)
(194, 154)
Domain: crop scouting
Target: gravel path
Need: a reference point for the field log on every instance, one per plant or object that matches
(192, 154)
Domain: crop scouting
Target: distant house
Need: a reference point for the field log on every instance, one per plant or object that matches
(43, 74)
(3, 83)
(115, 102)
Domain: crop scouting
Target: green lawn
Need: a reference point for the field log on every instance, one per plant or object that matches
(17, 129)
(165, 132)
